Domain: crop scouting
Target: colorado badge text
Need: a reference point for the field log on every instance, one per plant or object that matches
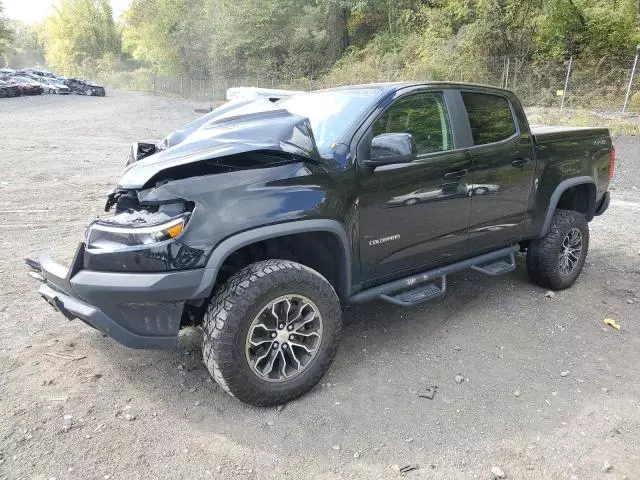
(378, 241)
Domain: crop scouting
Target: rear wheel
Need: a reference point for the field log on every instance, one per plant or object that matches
(556, 260)
(272, 332)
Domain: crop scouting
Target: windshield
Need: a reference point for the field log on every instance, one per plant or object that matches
(332, 112)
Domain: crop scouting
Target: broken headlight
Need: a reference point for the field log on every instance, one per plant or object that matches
(113, 236)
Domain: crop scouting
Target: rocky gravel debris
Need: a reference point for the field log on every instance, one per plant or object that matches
(497, 473)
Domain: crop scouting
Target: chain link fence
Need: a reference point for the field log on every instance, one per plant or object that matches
(609, 85)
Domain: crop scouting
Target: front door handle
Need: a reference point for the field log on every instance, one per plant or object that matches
(455, 174)
(520, 162)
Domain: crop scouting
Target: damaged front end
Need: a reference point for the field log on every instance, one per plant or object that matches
(141, 273)
(137, 310)
(132, 278)
(141, 237)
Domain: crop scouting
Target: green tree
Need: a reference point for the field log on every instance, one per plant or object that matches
(171, 35)
(26, 48)
(6, 34)
(79, 33)
(349, 39)
(278, 37)
(588, 28)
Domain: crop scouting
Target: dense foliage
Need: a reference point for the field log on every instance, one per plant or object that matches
(6, 34)
(341, 39)
(80, 32)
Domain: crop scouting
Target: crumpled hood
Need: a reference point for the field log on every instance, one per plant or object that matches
(255, 126)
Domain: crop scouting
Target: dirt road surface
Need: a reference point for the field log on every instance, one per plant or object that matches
(111, 412)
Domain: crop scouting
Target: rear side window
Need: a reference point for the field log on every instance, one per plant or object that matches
(489, 116)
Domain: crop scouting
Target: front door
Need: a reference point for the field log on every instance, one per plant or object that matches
(501, 174)
(414, 215)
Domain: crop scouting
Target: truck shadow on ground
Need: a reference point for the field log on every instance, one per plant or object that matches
(376, 327)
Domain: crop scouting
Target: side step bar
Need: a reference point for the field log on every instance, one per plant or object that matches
(498, 267)
(420, 294)
(411, 290)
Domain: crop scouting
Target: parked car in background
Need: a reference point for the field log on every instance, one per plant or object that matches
(9, 90)
(38, 72)
(80, 86)
(27, 86)
(39, 80)
(54, 86)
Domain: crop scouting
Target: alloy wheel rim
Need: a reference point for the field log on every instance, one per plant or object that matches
(284, 338)
(570, 251)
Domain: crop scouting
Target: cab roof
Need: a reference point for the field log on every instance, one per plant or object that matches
(389, 87)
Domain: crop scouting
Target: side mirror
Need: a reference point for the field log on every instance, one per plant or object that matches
(390, 148)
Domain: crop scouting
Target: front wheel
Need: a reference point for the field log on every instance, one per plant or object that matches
(272, 332)
(555, 260)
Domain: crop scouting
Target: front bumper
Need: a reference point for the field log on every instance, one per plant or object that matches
(139, 310)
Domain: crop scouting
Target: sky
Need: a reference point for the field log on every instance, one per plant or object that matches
(30, 11)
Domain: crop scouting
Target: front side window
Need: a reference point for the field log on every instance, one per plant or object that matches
(489, 116)
(424, 116)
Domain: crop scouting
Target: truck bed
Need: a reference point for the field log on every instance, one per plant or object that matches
(544, 134)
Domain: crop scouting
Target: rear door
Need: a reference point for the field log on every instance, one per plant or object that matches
(414, 215)
(502, 171)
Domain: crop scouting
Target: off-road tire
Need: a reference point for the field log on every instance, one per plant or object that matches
(543, 253)
(231, 312)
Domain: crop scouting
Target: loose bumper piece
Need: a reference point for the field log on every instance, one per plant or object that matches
(139, 310)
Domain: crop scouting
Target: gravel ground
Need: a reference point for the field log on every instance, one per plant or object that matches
(548, 390)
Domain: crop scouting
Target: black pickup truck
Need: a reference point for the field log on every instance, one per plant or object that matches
(84, 87)
(266, 217)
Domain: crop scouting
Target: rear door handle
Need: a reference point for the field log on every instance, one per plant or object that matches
(455, 174)
(520, 162)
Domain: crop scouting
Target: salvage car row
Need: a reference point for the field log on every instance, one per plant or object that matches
(32, 81)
